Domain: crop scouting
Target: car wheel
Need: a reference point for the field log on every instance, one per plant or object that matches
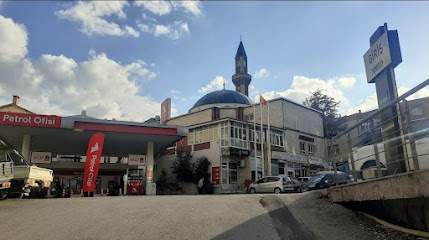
(252, 191)
(3, 194)
(299, 190)
(277, 190)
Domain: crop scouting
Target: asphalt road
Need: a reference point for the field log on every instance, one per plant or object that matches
(286, 216)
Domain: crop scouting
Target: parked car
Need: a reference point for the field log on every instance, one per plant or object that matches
(270, 184)
(326, 180)
(276, 184)
(293, 185)
(304, 179)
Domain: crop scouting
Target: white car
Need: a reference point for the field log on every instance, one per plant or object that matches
(271, 184)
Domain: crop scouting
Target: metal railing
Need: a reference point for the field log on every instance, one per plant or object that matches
(388, 141)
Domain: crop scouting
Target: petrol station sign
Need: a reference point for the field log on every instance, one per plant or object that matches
(137, 160)
(30, 120)
(41, 157)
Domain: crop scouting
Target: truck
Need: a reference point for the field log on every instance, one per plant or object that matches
(28, 180)
(6, 175)
(366, 163)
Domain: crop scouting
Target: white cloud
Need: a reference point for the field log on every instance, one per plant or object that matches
(157, 7)
(193, 7)
(173, 31)
(261, 73)
(132, 32)
(161, 30)
(161, 8)
(91, 16)
(302, 87)
(62, 86)
(347, 82)
(215, 84)
(173, 91)
(370, 103)
(13, 39)
(422, 93)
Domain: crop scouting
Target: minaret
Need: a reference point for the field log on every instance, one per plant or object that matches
(241, 78)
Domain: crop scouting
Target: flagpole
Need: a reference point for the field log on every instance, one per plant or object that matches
(254, 142)
(262, 145)
(269, 141)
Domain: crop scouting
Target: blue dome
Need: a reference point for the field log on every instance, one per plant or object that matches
(223, 96)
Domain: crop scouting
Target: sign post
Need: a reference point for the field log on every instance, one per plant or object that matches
(165, 110)
(380, 60)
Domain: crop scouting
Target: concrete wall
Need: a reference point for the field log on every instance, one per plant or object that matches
(406, 185)
(292, 144)
(302, 119)
(276, 114)
(192, 118)
(227, 113)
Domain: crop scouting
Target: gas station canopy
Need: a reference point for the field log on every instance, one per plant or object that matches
(70, 135)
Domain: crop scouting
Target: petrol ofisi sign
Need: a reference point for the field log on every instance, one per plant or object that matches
(30, 120)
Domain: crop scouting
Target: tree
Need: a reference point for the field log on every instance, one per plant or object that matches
(202, 171)
(166, 182)
(183, 168)
(333, 122)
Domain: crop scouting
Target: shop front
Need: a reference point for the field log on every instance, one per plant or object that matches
(288, 164)
(316, 165)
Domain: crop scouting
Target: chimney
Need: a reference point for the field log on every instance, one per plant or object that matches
(15, 100)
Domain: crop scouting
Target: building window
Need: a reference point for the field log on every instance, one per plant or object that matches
(239, 135)
(302, 147)
(224, 173)
(365, 126)
(252, 135)
(233, 172)
(224, 136)
(311, 149)
(336, 149)
(416, 111)
(191, 137)
(203, 134)
(229, 172)
(276, 138)
(249, 117)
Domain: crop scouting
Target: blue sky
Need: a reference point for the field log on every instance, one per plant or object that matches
(121, 59)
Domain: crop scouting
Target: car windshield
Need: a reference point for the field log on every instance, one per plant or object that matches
(316, 178)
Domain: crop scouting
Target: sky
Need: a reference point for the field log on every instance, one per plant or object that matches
(122, 59)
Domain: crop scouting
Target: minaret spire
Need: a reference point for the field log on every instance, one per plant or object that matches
(241, 78)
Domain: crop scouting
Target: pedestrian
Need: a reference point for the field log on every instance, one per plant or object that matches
(200, 185)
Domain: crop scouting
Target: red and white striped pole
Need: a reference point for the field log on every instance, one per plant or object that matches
(107, 192)
(71, 193)
(64, 192)
(81, 192)
(102, 193)
(120, 191)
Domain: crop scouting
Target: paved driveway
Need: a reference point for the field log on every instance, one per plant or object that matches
(286, 216)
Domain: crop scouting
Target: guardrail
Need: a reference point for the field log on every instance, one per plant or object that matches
(390, 140)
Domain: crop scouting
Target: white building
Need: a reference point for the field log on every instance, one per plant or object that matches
(221, 128)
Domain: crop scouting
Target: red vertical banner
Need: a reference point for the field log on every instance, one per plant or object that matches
(216, 175)
(93, 154)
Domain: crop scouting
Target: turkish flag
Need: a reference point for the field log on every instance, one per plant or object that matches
(93, 154)
(262, 100)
